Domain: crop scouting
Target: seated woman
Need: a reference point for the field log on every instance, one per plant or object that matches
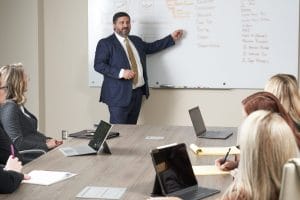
(285, 88)
(260, 101)
(5, 142)
(5, 148)
(267, 142)
(11, 176)
(17, 121)
(268, 101)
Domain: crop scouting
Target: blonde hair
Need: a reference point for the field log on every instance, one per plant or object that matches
(285, 88)
(13, 76)
(266, 142)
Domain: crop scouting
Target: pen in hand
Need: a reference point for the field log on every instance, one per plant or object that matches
(12, 151)
(226, 156)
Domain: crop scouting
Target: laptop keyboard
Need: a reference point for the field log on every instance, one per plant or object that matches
(68, 151)
(200, 193)
(216, 134)
(78, 150)
(192, 195)
(84, 149)
(213, 132)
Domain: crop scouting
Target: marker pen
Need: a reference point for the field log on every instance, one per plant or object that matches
(12, 151)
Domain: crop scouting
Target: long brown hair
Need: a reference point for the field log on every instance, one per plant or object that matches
(268, 101)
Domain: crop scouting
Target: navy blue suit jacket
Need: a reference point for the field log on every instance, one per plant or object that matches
(111, 57)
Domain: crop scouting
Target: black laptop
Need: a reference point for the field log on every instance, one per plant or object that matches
(96, 144)
(85, 134)
(175, 174)
(89, 134)
(200, 129)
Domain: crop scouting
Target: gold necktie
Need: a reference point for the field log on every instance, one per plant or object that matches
(132, 61)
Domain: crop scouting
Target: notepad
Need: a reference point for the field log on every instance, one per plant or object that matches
(204, 151)
(208, 170)
(41, 177)
(101, 192)
(154, 137)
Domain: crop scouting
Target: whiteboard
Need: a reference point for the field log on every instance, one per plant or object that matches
(226, 44)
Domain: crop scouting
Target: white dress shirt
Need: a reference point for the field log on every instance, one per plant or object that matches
(141, 80)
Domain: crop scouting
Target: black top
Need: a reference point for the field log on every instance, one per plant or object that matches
(10, 181)
(21, 129)
(5, 150)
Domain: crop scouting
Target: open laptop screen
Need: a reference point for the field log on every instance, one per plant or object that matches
(173, 168)
(100, 135)
(197, 120)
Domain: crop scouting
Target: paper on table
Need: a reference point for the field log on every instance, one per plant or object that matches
(208, 170)
(101, 192)
(154, 137)
(42, 177)
(204, 151)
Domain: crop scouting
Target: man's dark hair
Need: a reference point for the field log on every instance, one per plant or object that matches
(120, 14)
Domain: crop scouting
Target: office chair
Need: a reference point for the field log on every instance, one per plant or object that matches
(290, 184)
(31, 154)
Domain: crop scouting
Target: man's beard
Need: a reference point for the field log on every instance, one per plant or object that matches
(124, 32)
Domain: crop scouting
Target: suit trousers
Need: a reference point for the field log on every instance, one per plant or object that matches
(127, 114)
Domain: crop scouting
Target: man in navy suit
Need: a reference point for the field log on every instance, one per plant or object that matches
(121, 59)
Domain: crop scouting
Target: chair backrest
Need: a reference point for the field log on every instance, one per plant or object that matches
(290, 185)
(31, 154)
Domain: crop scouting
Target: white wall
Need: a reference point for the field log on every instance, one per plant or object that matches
(72, 105)
(67, 101)
(19, 42)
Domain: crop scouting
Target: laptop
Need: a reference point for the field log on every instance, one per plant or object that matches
(95, 145)
(86, 134)
(175, 174)
(200, 129)
(89, 134)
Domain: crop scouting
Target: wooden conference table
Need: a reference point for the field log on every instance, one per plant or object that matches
(129, 166)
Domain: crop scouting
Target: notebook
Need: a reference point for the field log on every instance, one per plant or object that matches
(204, 170)
(95, 145)
(220, 151)
(174, 174)
(200, 129)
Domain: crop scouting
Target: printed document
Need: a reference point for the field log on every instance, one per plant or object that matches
(42, 177)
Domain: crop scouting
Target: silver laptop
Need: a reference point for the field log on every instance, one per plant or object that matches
(95, 145)
(175, 174)
(200, 129)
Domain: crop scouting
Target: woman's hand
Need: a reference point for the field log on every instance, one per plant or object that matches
(51, 143)
(13, 164)
(227, 166)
